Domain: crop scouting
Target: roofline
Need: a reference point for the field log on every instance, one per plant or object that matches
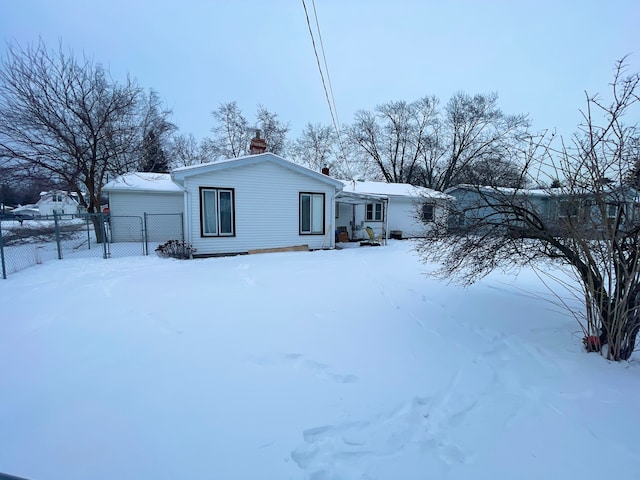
(145, 190)
(183, 172)
(360, 196)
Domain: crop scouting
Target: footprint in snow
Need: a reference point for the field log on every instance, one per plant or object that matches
(338, 451)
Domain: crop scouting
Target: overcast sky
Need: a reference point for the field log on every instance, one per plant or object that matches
(540, 56)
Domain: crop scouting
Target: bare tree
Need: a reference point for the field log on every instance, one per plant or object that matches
(589, 222)
(65, 117)
(473, 142)
(470, 140)
(233, 132)
(394, 136)
(186, 151)
(317, 147)
(273, 130)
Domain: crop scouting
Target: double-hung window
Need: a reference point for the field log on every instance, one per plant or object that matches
(373, 212)
(217, 215)
(428, 212)
(312, 213)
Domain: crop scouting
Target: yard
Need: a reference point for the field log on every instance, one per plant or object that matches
(344, 364)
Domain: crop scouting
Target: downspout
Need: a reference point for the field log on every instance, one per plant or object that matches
(385, 224)
(187, 214)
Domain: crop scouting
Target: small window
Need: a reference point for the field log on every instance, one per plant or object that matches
(612, 211)
(373, 212)
(569, 208)
(428, 212)
(217, 212)
(312, 213)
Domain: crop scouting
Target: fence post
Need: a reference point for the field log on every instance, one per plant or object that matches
(182, 225)
(4, 268)
(145, 236)
(88, 220)
(102, 218)
(57, 229)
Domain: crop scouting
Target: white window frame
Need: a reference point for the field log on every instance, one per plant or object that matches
(218, 192)
(376, 213)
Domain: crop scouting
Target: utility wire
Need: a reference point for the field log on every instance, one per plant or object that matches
(315, 51)
(332, 109)
(326, 67)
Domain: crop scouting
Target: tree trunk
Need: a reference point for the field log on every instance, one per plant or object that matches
(98, 220)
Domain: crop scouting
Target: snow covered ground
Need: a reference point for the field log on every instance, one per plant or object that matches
(329, 365)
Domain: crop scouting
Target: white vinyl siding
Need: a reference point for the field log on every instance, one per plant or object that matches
(266, 207)
(127, 211)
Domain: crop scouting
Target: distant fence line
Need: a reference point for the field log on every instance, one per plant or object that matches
(34, 241)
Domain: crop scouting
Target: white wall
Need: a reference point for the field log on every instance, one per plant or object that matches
(266, 198)
(401, 214)
(127, 210)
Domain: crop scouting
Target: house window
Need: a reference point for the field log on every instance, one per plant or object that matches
(217, 212)
(612, 211)
(428, 212)
(569, 208)
(373, 212)
(57, 198)
(312, 213)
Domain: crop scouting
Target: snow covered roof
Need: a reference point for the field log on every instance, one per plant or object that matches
(143, 182)
(391, 189)
(541, 192)
(182, 172)
(28, 209)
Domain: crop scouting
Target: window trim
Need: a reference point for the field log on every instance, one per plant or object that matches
(324, 213)
(433, 212)
(373, 212)
(218, 190)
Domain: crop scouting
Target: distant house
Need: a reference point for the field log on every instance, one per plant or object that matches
(397, 209)
(554, 206)
(253, 203)
(58, 202)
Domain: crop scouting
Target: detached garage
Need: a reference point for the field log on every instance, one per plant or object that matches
(143, 202)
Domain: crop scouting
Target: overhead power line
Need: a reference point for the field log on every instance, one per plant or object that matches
(327, 92)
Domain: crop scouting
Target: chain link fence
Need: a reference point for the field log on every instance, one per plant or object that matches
(25, 243)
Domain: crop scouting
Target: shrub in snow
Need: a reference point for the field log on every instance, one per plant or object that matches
(176, 249)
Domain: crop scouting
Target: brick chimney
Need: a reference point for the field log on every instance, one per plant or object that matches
(325, 170)
(257, 145)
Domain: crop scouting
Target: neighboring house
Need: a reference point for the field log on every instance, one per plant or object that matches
(257, 202)
(554, 206)
(139, 196)
(58, 202)
(399, 208)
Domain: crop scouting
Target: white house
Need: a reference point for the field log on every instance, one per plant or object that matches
(257, 202)
(400, 208)
(58, 202)
(252, 203)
